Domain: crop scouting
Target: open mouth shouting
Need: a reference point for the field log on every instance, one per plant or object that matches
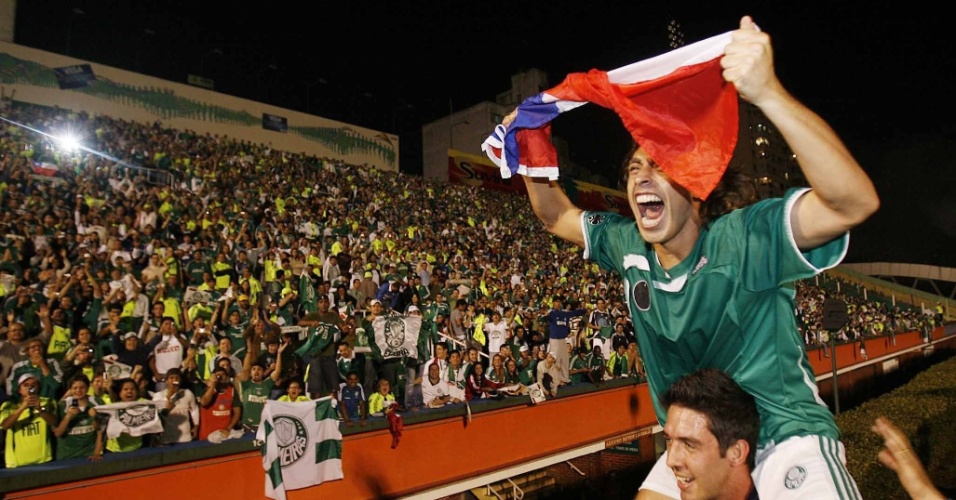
(651, 209)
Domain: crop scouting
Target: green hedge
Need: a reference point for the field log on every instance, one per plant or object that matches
(925, 409)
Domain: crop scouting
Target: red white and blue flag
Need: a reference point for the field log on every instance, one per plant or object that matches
(677, 106)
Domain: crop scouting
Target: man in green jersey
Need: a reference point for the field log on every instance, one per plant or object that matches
(708, 286)
(76, 431)
(254, 387)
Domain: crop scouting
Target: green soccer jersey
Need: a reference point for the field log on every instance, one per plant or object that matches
(729, 305)
(235, 334)
(80, 437)
(195, 270)
(528, 374)
(322, 337)
(254, 397)
(576, 364)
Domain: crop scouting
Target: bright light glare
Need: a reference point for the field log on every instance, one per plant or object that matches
(68, 143)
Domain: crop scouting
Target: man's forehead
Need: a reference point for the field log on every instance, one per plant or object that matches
(688, 425)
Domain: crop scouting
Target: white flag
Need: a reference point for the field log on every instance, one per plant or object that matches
(136, 418)
(116, 370)
(396, 336)
(302, 445)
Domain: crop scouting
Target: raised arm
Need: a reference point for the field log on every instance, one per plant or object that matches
(553, 207)
(842, 194)
(217, 314)
(252, 352)
(277, 372)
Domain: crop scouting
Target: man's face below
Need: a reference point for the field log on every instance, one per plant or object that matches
(693, 453)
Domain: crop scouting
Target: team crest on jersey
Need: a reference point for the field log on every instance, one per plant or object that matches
(795, 477)
(700, 264)
(292, 439)
(641, 294)
(595, 219)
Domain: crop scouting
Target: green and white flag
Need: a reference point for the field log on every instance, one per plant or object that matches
(396, 336)
(361, 341)
(116, 370)
(302, 445)
(307, 296)
(136, 418)
(319, 337)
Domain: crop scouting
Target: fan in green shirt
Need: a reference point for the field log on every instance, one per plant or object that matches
(707, 275)
(76, 432)
(254, 387)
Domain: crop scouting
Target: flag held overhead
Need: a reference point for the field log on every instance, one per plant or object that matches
(677, 106)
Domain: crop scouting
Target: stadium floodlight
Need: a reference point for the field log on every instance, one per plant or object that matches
(68, 143)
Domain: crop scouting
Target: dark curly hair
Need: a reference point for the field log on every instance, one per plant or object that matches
(735, 190)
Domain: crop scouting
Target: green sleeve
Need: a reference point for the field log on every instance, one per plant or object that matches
(91, 318)
(50, 384)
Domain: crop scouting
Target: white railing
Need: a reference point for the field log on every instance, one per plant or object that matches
(516, 492)
(575, 469)
(491, 491)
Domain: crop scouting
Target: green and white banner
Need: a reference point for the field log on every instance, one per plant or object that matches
(302, 445)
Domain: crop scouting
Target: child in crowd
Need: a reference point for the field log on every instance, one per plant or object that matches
(382, 401)
(352, 401)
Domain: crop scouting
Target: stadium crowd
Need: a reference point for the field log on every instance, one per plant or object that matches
(867, 318)
(258, 274)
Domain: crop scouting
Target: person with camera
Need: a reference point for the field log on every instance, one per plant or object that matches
(81, 360)
(45, 369)
(202, 348)
(77, 428)
(180, 414)
(220, 406)
(27, 419)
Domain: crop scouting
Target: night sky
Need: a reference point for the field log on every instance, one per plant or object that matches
(879, 72)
